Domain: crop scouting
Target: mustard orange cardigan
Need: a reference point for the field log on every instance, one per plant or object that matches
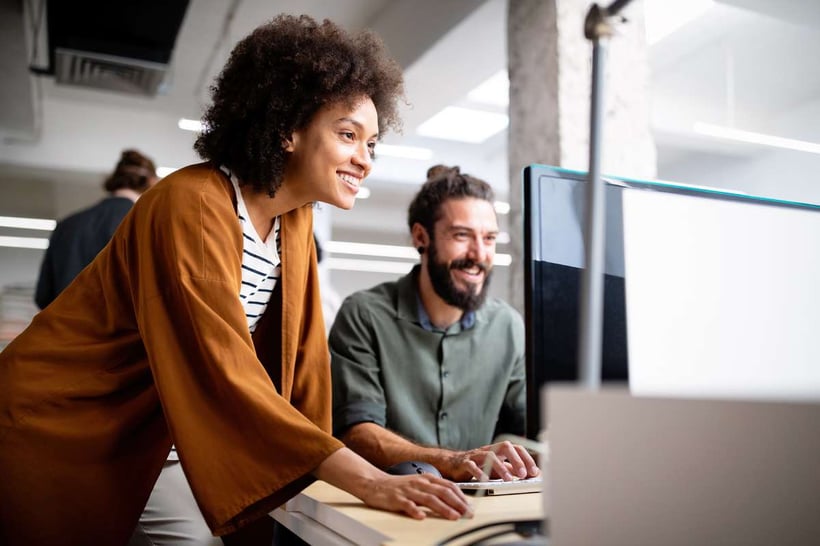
(150, 346)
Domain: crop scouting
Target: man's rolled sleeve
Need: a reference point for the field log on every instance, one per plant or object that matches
(358, 396)
(355, 413)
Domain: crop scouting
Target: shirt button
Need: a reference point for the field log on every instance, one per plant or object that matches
(443, 415)
(446, 374)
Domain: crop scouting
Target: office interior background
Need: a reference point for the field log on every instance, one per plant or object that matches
(734, 103)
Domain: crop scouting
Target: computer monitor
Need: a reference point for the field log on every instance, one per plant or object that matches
(553, 207)
(767, 243)
(722, 296)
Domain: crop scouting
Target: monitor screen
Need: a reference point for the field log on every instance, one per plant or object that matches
(722, 297)
(553, 257)
(671, 243)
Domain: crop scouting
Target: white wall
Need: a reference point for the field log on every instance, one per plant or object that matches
(20, 266)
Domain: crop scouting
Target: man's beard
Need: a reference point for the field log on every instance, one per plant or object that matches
(467, 300)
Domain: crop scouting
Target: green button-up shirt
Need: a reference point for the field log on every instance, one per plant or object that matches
(456, 388)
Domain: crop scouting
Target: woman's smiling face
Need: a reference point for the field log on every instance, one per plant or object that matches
(331, 157)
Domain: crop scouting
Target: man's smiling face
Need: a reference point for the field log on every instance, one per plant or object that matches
(461, 252)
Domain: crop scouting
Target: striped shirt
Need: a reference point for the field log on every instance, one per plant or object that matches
(261, 264)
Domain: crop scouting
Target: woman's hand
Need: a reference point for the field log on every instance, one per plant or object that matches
(412, 495)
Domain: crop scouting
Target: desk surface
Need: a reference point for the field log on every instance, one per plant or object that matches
(323, 514)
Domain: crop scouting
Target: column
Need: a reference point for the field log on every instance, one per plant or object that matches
(550, 65)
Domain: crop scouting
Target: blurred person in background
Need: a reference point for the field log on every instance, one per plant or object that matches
(78, 238)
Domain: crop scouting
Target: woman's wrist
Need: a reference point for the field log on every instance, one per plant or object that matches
(348, 471)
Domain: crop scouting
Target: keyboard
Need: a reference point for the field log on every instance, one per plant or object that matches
(500, 487)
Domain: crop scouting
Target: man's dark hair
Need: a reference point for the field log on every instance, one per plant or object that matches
(275, 81)
(444, 183)
(133, 171)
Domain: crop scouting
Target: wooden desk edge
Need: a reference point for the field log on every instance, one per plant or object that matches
(321, 509)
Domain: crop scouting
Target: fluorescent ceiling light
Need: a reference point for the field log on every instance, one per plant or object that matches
(389, 251)
(24, 242)
(495, 91)
(369, 249)
(662, 17)
(503, 260)
(729, 133)
(382, 266)
(363, 193)
(501, 207)
(27, 223)
(464, 125)
(373, 266)
(162, 172)
(190, 125)
(406, 152)
(502, 238)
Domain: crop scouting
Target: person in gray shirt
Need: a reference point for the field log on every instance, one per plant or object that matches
(427, 368)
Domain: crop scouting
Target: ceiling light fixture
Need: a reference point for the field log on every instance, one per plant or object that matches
(389, 251)
(372, 266)
(503, 260)
(190, 125)
(363, 193)
(370, 249)
(501, 207)
(24, 242)
(405, 152)
(162, 172)
(383, 266)
(27, 223)
(463, 124)
(730, 133)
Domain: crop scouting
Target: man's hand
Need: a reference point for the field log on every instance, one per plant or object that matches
(508, 461)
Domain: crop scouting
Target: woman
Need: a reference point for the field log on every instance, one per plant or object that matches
(152, 344)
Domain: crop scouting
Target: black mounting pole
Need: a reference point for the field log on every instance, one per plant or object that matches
(597, 29)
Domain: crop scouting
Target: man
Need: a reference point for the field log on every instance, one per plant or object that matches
(427, 368)
(78, 238)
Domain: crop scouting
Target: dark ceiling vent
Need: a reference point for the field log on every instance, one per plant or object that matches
(123, 46)
(108, 72)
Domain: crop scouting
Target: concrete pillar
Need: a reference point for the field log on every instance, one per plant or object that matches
(550, 65)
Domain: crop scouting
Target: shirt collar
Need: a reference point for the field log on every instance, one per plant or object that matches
(411, 308)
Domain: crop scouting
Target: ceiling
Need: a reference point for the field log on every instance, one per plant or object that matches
(744, 62)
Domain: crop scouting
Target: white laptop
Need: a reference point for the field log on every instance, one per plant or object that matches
(722, 297)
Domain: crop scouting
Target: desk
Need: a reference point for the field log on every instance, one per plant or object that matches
(325, 515)
(627, 470)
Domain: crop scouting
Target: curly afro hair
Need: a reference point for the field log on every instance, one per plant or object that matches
(275, 81)
(444, 183)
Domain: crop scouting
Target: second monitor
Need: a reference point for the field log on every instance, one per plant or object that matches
(717, 288)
